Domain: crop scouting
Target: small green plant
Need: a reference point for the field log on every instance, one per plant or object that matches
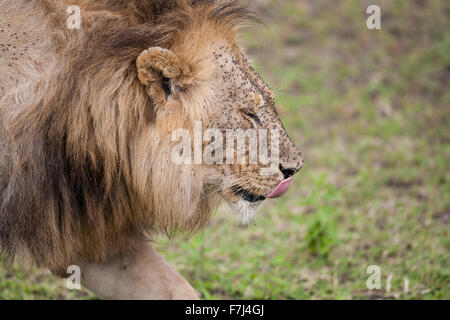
(321, 228)
(320, 237)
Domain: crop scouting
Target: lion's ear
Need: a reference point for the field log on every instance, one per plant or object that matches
(158, 70)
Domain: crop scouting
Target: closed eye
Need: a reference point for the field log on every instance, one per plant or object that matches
(252, 116)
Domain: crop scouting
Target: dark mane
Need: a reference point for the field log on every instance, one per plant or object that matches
(164, 20)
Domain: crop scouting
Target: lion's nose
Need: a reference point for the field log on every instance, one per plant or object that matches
(289, 169)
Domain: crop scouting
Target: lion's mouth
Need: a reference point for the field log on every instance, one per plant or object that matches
(247, 195)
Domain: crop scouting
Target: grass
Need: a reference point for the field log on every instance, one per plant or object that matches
(370, 110)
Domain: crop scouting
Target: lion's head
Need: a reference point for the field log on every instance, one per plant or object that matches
(92, 141)
(212, 81)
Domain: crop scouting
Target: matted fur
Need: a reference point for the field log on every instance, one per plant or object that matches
(86, 165)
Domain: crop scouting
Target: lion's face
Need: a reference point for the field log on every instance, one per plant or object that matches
(240, 105)
(244, 102)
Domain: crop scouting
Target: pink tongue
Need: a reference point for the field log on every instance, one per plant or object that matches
(281, 189)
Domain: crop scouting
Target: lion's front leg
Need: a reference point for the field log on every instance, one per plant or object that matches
(143, 275)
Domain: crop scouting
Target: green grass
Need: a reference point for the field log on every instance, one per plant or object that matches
(370, 110)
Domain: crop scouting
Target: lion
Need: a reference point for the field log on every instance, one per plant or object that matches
(87, 119)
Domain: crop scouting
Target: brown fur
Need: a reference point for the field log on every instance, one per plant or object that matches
(86, 170)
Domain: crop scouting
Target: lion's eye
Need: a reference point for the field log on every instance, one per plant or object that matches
(252, 116)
